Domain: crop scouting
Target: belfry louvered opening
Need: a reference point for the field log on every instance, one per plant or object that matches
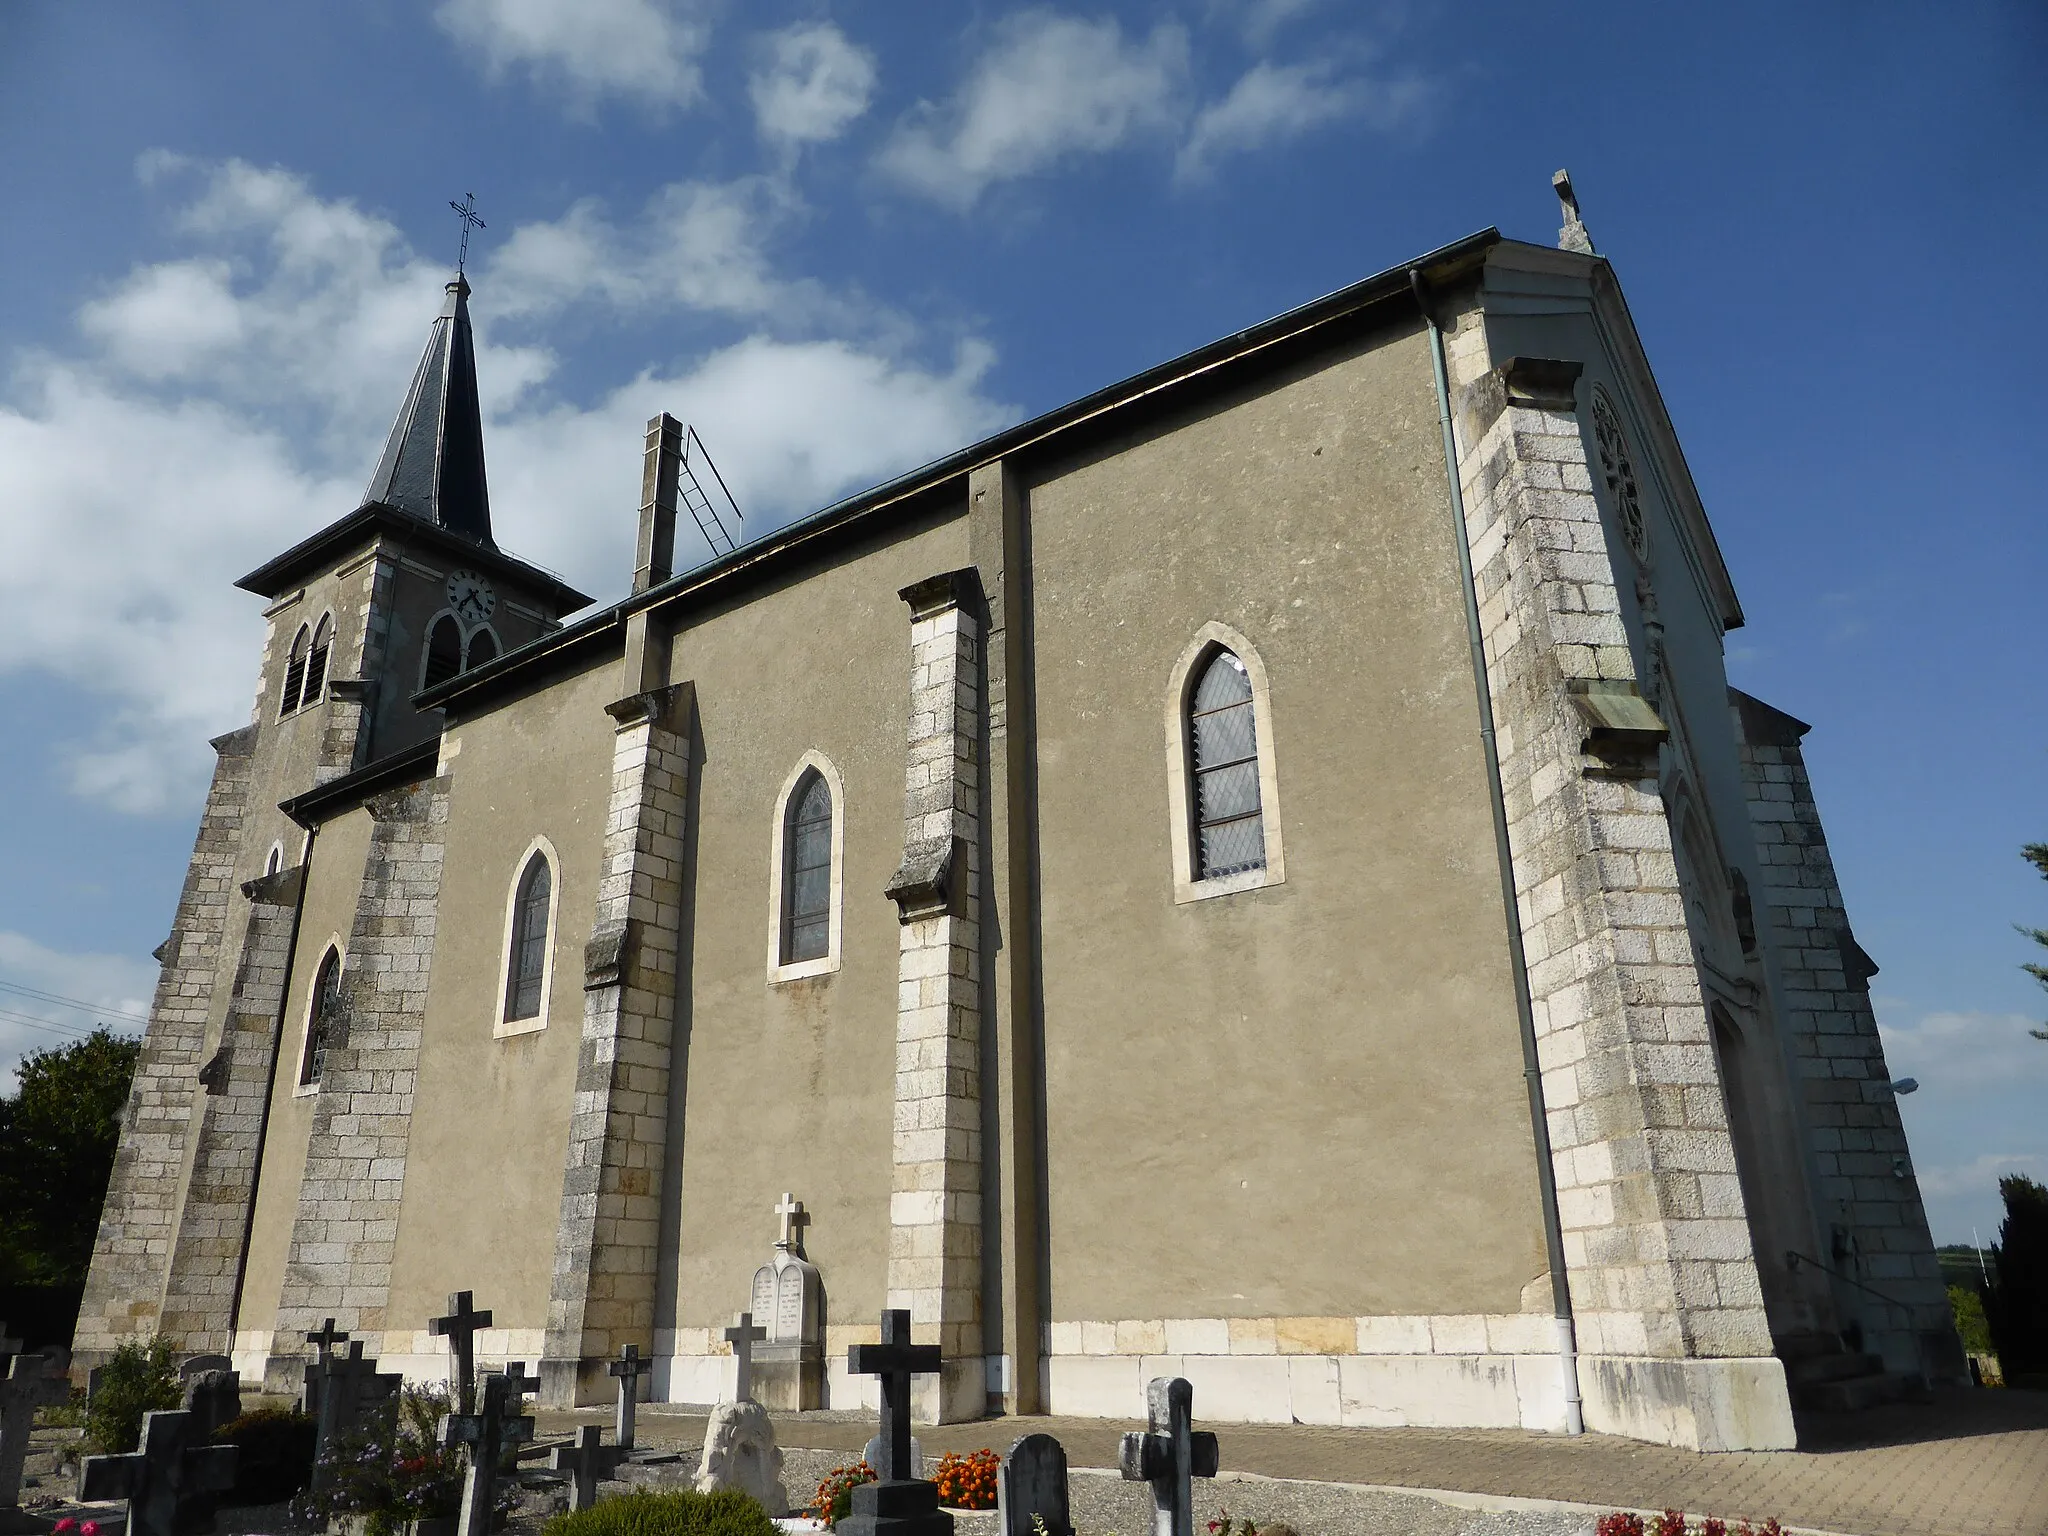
(444, 652)
(1223, 744)
(294, 673)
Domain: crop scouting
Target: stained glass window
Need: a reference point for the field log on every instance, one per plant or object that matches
(320, 1028)
(1230, 826)
(807, 870)
(529, 941)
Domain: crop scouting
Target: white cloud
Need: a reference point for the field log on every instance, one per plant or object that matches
(647, 50)
(110, 985)
(226, 401)
(1048, 88)
(813, 86)
(1270, 102)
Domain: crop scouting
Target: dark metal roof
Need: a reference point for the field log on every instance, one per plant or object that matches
(408, 765)
(433, 463)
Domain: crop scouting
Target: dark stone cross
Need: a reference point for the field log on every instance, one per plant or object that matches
(460, 1328)
(898, 1505)
(588, 1463)
(26, 1387)
(629, 1368)
(743, 1336)
(489, 1433)
(1169, 1455)
(167, 1471)
(337, 1391)
(324, 1341)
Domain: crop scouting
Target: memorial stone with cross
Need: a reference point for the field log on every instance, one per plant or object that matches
(897, 1505)
(789, 1301)
(27, 1385)
(460, 1328)
(170, 1469)
(1169, 1455)
(496, 1427)
(338, 1391)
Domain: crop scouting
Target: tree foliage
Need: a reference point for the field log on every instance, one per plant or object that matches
(140, 1376)
(2018, 1303)
(2036, 854)
(58, 1135)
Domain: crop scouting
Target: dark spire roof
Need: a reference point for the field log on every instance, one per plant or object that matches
(433, 464)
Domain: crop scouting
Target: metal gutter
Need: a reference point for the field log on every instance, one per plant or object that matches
(407, 766)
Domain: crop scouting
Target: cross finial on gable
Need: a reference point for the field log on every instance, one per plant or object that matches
(794, 1220)
(1573, 236)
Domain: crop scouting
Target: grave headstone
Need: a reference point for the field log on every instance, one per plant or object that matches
(1031, 1489)
(460, 1328)
(628, 1368)
(788, 1299)
(899, 1504)
(213, 1394)
(588, 1463)
(1169, 1455)
(872, 1453)
(339, 1391)
(28, 1385)
(740, 1452)
(160, 1477)
(495, 1428)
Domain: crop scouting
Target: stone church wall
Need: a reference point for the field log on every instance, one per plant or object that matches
(1286, 1125)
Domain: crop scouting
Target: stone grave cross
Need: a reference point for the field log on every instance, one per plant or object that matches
(794, 1220)
(340, 1390)
(324, 1341)
(743, 1336)
(154, 1480)
(26, 1388)
(588, 1463)
(460, 1328)
(488, 1433)
(1169, 1455)
(895, 1360)
(629, 1368)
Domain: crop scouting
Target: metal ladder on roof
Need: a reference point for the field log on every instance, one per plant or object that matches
(710, 521)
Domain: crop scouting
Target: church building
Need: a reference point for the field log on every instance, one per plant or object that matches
(1257, 874)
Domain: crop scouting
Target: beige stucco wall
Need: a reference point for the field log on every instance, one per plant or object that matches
(334, 880)
(790, 1084)
(1307, 1099)
(483, 1174)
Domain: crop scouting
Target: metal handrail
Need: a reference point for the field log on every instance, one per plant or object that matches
(1794, 1259)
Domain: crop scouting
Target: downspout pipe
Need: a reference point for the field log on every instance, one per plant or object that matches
(1518, 965)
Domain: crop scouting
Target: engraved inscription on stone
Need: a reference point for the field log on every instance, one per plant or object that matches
(764, 1295)
(789, 1306)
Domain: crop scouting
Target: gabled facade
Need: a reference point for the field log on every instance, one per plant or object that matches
(1257, 874)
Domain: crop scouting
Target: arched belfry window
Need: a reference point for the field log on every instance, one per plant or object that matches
(1222, 784)
(483, 647)
(294, 672)
(320, 1018)
(807, 852)
(316, 660)
(444, 651)
(527, 967)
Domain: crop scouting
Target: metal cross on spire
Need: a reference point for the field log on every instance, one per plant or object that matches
(465, 211)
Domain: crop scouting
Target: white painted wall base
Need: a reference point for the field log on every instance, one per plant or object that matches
(1704, 1405)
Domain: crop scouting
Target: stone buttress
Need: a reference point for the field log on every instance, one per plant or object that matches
(345, 1230)
(601, 1296)
(138, 1223)
(1870, 1197)
(935, 1205)
(1672, 1337)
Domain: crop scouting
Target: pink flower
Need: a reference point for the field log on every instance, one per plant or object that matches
(63, 1526)
(90, 1528)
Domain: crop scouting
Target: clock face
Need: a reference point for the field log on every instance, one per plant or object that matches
(470, 595)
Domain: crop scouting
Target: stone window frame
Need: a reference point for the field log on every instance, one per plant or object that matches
(469, 643)
(829, 962)
(1181, 829)
(338, 948)
(503, 1028)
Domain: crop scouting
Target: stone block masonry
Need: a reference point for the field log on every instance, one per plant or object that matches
(1669, 1310)
(199, 1300)
(132, 1254)
(1869, 1196)
(601, 1295)
(345, 1230)
(935, 1204)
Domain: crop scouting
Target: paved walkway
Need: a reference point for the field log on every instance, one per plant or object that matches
(1972, 1463)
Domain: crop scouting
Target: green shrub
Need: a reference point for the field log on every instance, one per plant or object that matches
(276, 1459)
(139, 1377)
(687, 1512)
(1967, 1307)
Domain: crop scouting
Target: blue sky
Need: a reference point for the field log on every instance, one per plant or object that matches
(842, 239)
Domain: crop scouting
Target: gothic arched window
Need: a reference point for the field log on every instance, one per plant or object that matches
(444, 652)
(807, 870)
(320, 1018)
(316, 660)
(294, 673)
(526, 968)
(1223, 742)
(483, 647)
